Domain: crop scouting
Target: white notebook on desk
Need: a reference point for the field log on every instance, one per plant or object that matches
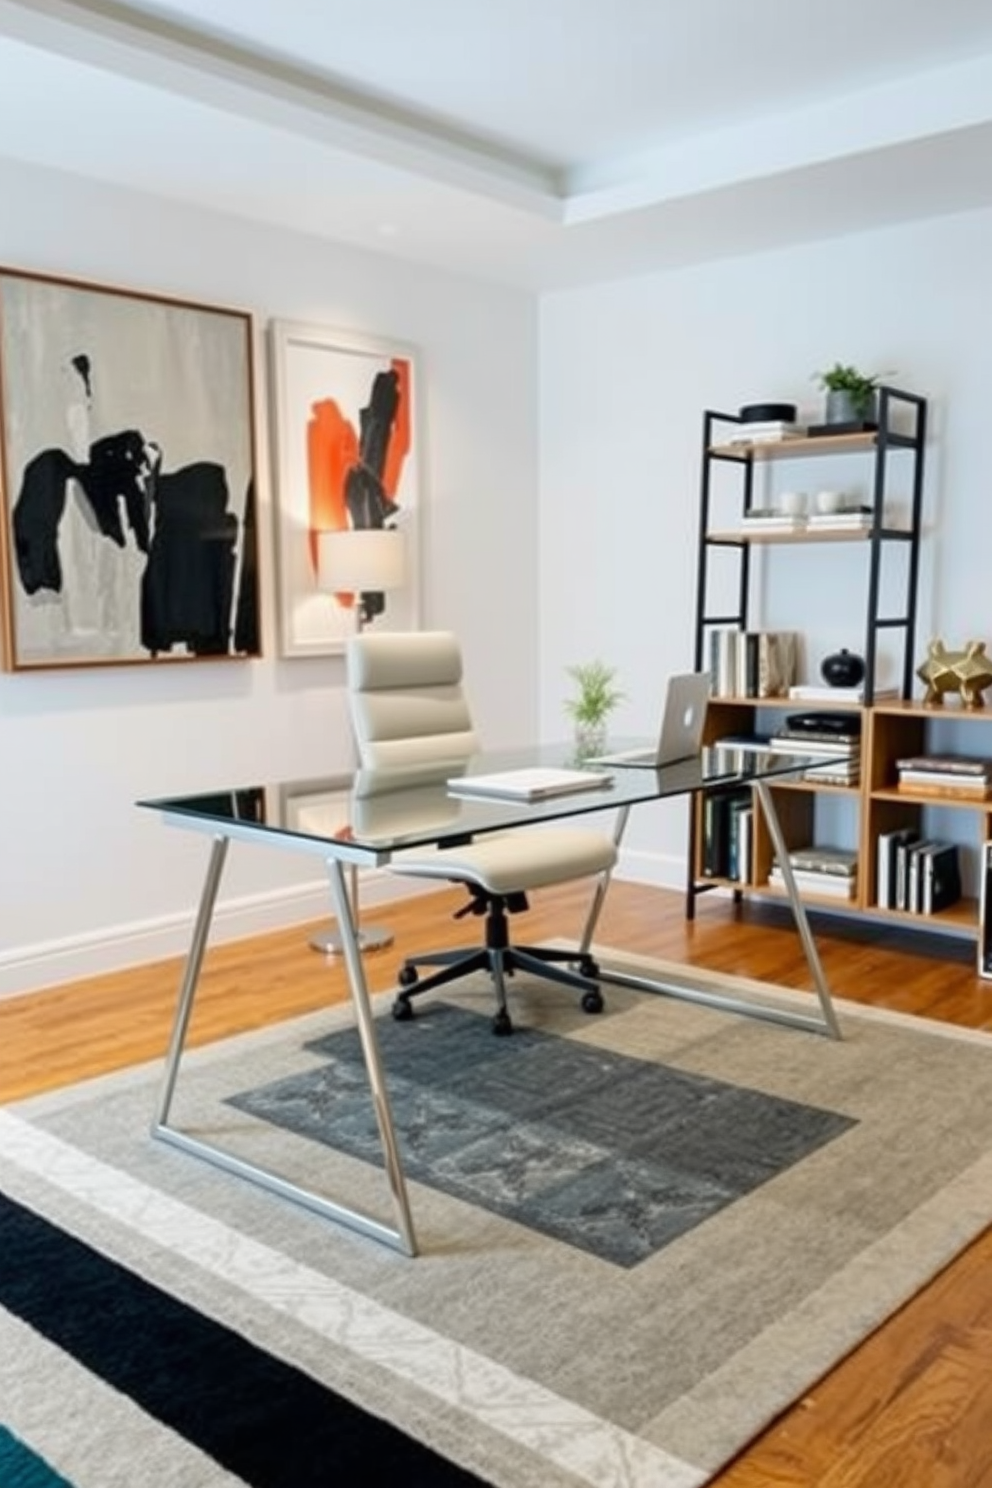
(532, 784)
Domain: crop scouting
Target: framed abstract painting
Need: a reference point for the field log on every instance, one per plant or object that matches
(129, 527)
(347, 456)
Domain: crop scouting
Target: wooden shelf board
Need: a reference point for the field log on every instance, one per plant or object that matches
(795, 705)
(928, 798)
(963, 916)
(917, 708)
(799, 447)
(820, 787)
(960, 916)
(801, 535)
(809, 896)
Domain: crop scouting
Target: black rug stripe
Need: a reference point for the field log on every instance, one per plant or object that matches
(262, 1419)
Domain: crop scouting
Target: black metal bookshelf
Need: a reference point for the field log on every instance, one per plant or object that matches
(901, 431)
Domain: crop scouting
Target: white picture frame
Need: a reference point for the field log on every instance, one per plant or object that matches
(347, 452)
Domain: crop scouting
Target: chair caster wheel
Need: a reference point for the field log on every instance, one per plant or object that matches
(501, 1024)
(408, 976)
(589, 968)
(402, 1011)
(592, 1002)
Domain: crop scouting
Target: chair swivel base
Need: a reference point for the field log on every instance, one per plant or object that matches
(369, 937)
(500, 963)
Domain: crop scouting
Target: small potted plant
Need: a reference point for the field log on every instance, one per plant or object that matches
(595, 699)
(851, 395)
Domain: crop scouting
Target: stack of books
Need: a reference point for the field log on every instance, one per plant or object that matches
(807, 692)
(830, 871)
(771, 519)
(836, 736)
(957, 775)
(845, 770)
(766, 431)
(916, 874)
(848, 519)
(752, 663)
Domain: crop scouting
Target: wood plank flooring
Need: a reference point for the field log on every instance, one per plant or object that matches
(910, 1408)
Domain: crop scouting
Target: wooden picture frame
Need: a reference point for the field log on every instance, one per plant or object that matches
(347, 454)
(129, 529)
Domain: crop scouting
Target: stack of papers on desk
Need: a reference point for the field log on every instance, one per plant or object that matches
(534, 784)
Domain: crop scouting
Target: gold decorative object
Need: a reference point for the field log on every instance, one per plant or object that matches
(967, 672)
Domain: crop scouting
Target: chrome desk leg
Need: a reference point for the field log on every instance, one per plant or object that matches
(370, 1048)
(766, 797)
(603, 884)
(191, 976)
(401, 1238)
(687, 990)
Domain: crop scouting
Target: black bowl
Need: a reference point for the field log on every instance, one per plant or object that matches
(766, 413)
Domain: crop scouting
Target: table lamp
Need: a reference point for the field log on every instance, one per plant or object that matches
(366, 562)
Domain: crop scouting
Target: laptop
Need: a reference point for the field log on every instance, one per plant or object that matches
(681, 733)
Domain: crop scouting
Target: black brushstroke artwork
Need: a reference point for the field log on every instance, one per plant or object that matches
(365, 496)
(180, 520)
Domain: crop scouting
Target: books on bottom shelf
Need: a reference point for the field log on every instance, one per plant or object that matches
(917, 874)
(830, 871)
(728, 835)
(985, 913)
(814, 883)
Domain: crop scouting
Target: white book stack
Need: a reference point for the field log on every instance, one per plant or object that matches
(805, 692)
(766, 431)
(769, 520)
(840, 521)
(827, 871)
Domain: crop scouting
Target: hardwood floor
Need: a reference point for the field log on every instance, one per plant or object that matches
(910, 1408)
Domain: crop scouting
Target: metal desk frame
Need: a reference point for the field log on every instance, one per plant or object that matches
(338, 855)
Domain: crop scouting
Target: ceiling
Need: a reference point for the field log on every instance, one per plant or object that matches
(543, 143)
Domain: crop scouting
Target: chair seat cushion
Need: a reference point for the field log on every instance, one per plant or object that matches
(509, 862)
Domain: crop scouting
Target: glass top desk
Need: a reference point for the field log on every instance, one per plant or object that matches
(364, 820)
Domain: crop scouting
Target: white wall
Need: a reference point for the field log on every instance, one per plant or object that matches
(626, 372)
(88, 881)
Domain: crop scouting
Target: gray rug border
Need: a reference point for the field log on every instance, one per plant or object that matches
(881, 1271)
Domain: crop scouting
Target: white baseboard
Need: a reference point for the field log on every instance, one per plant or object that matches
(95, 953)
(661, 871)
(51, 963)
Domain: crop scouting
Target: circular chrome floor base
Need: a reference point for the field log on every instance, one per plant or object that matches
(370, 938)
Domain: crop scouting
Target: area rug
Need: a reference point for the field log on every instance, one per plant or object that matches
(644, 1234)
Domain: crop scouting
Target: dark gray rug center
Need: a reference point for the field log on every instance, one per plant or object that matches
(614, 1155)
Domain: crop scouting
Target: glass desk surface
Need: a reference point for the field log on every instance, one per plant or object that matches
(379, 811)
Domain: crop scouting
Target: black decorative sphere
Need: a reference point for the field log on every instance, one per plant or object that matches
(842, 669)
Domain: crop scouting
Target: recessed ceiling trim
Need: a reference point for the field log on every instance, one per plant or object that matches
(234, 80)
(937, 102)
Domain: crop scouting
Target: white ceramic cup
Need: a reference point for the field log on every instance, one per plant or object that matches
(792, 502)
(830, 501)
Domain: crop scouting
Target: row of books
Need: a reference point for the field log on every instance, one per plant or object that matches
(752, 663)
(827, 871)
(946, 775)
(728, 835)
(915, 873)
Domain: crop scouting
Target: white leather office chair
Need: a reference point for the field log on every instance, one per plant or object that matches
(412, 722)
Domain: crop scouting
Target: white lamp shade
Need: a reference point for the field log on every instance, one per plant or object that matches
(360, 560)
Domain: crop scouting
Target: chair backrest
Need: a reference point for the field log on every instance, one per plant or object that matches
(406, 700)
